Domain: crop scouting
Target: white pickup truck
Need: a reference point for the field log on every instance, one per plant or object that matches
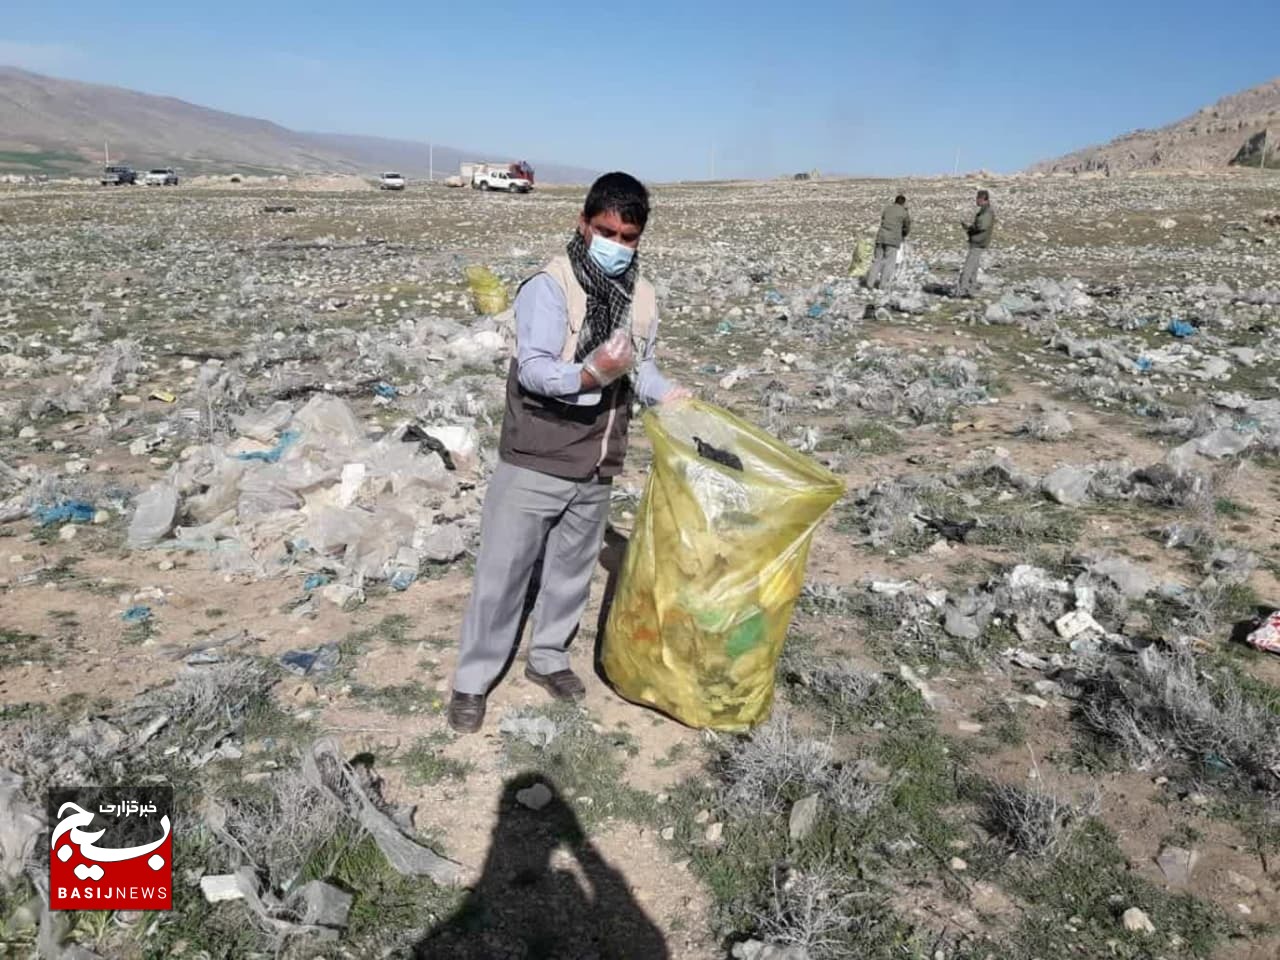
(500, 180)
(391, 181)
(161, 178)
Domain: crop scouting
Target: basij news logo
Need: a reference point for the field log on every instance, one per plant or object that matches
(111, 848)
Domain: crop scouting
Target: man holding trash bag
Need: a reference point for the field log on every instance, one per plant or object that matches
(586, 332)
(979, 240)
(895, 226)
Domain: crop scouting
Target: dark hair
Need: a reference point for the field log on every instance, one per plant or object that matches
(621, 193)
(900, 198)
(983, 195)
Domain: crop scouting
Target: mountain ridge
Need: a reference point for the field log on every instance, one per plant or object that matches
(1211, 138)
(56, 126)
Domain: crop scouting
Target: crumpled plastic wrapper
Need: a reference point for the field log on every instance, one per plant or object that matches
(714, 568)
(1267, 636)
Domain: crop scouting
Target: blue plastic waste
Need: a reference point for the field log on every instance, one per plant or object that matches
(315, 581)
(136, 614)
(386, 391)
(68, 511)
(772, 297)
(1181, 329)
(817, 310)
(1143, 364)
(287, 439)
(403, 579)
(724, 327)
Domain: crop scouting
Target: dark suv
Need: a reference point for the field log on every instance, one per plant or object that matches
(114, 176)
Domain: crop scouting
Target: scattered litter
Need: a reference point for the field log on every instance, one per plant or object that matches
(287, 439)
(136, 614)
(1267, 636)
(325, 769)
(219, 888)
(536, 730)
(164, 396)
(314, 662)
(1136, 921)
(154, 516)
(314, 581)
(68, 511)
(1181, 329)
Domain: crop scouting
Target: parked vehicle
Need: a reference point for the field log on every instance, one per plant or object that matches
(521, 173)
(501, 180)
(162, 177)
(115, 176)
(391, 181)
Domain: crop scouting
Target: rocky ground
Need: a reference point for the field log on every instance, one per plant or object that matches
(244, 436)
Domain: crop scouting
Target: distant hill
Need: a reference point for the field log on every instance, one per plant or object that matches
(1211, 138)
(58, 127)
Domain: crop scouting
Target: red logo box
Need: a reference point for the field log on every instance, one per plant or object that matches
(111, 848)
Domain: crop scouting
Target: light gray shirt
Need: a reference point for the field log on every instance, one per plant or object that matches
(541, 319)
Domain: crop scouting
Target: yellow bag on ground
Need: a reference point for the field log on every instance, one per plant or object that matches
(714, 568)
(863, 252)
(487, 291)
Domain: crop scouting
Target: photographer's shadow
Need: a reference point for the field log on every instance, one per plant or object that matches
(532, 905)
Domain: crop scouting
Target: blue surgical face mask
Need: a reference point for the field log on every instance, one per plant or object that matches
(612, 258)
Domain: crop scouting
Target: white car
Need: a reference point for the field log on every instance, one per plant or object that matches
(501, 180)
(161, 178)
(391, 181)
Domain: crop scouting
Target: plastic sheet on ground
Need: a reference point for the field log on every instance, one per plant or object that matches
(327, 771)
(714, 568)
(310, 487)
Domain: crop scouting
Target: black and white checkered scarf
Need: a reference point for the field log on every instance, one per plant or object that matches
(608, 298)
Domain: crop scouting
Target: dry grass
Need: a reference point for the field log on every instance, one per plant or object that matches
(1166, 710)
(775, 766)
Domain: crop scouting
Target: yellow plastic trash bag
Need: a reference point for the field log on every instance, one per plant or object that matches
(487, 291)
(714, 567)
(863, 252)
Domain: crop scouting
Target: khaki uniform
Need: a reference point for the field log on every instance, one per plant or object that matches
(979, 240)
(895, 226)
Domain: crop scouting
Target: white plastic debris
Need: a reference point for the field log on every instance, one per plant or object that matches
(154, 516)
(1074, 624)
(221, 887)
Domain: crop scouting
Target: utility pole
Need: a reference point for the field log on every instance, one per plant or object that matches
(955, 171)
(106, 154)
(431, 162)
(713, 161)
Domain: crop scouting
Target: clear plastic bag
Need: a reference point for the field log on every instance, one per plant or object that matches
(714, 567)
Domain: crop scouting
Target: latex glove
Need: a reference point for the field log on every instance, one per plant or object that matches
(612, 359)
(676, 395)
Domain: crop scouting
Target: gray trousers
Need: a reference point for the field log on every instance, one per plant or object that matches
(525, 511)
(883, 266)
(969, 272)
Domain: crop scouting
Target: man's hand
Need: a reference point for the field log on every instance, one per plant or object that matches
(611, 360)
(677, 394)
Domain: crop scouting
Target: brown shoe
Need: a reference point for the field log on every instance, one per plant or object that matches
(466, 712)
(563, 684)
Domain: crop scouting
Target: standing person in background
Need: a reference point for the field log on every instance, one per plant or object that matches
(895, 225)
(979, 240)
(586, 331)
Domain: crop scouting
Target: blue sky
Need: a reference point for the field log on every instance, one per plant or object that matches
(667, 89)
